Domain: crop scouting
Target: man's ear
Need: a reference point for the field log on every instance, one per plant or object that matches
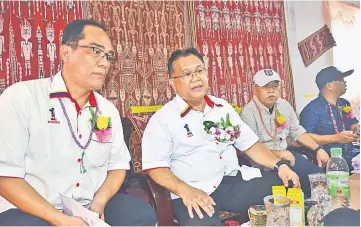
(254, 89)
(329, 86)
(65, 52)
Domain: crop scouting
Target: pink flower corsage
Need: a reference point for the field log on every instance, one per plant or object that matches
(281, 120)
(103, 127)
(349, 112)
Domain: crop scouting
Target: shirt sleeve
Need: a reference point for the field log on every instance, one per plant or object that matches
(247, 138)
(296, 130)
(248, 117)
(309, 119)
(156, 144)
(15, 109)
(119, 154)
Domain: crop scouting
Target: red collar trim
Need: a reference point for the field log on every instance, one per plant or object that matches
(92, 100)
(66, 94)
(209, 102)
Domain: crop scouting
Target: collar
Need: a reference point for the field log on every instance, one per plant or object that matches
(324, 100)
(263, 107)
(58, 89)
(185, 108)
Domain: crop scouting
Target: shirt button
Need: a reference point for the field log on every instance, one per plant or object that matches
(79, 112)
(220, 157)
(77, 185)
(80, 136)
(79, 159)
(214, 186)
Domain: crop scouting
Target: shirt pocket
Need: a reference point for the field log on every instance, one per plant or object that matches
(98, 152)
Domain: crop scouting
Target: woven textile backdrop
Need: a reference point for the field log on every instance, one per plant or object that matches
(144, 34)
(30, 33)
(237, 38)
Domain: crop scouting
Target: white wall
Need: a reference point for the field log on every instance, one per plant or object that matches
(302, 19)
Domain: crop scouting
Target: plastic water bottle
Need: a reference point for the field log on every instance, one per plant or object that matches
(338, 179)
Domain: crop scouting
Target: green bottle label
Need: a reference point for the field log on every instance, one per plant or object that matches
(338, 184)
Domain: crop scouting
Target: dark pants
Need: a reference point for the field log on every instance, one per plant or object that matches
(234, 195)
(342, 217)
(121, 210)
(303, 167)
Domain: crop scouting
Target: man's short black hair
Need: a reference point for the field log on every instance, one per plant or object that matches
(74, 31)
(182, 53)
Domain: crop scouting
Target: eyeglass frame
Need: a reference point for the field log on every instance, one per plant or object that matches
(108, 56)
(192, 73)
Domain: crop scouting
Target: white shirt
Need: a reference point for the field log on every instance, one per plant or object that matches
(175, 138)
(38, 146)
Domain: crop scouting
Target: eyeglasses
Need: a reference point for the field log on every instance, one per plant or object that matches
(99, 54)
(188, 74)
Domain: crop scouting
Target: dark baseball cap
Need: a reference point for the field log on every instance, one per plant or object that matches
(330, 74)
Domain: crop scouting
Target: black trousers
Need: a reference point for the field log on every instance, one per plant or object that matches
(342, 217)
(234, 195)
(121, 210)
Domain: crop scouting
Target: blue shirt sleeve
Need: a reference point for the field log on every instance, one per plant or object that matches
(309, 119)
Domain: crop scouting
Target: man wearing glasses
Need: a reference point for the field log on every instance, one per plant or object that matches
(273, 120)
(59, 136)
(327, 119)
(199, 166)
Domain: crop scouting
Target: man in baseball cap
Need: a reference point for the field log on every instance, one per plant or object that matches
(331, 74)
(264, 76)
(267, 79)
(274, 120)
(329, 118)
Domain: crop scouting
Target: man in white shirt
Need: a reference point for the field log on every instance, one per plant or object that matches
(265, 114)
(58, 136)
(187, 153)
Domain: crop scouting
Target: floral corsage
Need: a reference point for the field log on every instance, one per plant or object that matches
(102, 128)
(223, 131)
(281, 120)
(348, 111)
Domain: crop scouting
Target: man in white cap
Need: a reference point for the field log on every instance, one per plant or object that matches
(273, 120)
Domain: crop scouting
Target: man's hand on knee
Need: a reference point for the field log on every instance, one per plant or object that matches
(194, 198)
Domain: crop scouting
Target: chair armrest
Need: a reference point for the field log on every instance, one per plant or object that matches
(160, 198)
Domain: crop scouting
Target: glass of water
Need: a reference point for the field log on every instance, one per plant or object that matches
(278, 210)
(257, 215)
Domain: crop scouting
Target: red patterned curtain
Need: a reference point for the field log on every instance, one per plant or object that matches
(30, 37)
(144, 34)
(237, 38)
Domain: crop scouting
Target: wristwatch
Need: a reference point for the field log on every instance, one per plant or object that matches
(318, 148)
(282, 162)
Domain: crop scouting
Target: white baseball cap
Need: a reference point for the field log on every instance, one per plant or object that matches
(264, 76)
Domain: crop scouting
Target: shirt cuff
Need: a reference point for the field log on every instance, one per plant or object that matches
(299, 132)
(118, 165)
(154, 164)
(251, 146)
(11, 171)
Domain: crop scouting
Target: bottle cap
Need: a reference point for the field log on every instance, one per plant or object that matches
(336, 151)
